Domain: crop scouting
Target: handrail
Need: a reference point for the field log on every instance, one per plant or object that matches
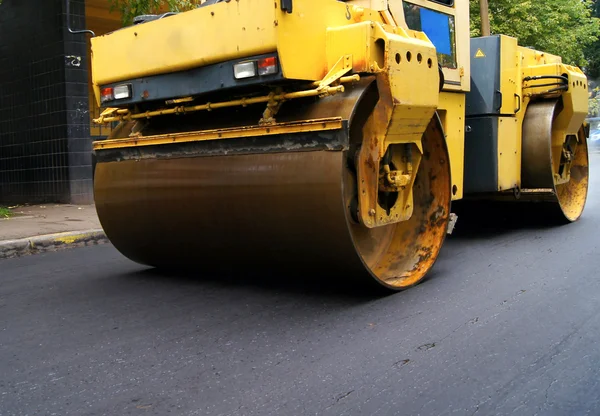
(75, 32)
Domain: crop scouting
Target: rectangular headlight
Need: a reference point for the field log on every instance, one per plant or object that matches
(122, 91)
(244, 70)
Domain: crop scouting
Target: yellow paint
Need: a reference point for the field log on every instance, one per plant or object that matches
(509, 154)
(185, 41)
(414, 84)
(323, 40)
(357, 41)
(575, 98)
(510, 83)
(408, 82)
(410, 67)
(377, 5)
(302, 36)
(338, 70)
(517, 63)
(71, 238)
(452, 115)
(575, 101)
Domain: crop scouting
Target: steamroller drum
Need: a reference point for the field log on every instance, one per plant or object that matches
(558, 202)
(271, 208)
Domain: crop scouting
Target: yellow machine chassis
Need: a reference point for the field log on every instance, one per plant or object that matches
(349, 170)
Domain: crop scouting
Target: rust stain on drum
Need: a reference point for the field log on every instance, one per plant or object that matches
(283, 211)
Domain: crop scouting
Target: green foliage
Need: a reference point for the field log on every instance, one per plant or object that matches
(131, 8)
(560, 27)
(594, 103)
(592, 52)
(5, 212)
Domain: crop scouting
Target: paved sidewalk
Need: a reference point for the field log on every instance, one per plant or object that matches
(38, 228)
(35, 220)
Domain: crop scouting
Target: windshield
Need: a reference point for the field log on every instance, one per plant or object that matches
(439, 28)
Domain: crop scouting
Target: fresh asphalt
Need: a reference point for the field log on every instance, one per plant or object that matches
(507, 323)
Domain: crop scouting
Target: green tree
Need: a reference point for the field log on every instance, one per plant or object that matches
(592, 52)
(594, 104)
(131, 8)
(561, 27)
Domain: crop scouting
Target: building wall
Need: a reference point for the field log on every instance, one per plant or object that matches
(45, 145)
(101, 20)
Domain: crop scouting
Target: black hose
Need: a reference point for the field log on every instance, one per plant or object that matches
(544, 85)
(565, 79)
(442, 78)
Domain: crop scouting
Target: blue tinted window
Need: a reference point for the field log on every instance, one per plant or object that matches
(439, 28)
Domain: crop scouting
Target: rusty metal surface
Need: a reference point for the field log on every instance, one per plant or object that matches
(281, 211)
(223, 134)
(286, 211)
(401, 254)
(296, 112)
(297, 142)
(572, 196)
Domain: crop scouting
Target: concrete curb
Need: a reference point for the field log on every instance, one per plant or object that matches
(51, 242)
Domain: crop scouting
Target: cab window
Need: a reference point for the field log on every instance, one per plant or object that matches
(439, 28)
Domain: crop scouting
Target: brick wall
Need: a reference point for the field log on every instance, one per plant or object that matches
(44, 121)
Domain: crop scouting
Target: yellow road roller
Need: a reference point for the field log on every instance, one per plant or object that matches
(324, 137)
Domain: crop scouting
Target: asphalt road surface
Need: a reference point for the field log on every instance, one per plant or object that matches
(507, 323)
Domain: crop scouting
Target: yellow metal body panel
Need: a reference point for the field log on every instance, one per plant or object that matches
(410, 65)
(575, 99)
(536, 63)
(302, 36)
(377, 5)
(510, 128)
(252, 27)
(509, 155)
(409, 96)
(199, 37)
(510, 75)
(414, 81)
(452, 116)
(358, 41)
(532, 57)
